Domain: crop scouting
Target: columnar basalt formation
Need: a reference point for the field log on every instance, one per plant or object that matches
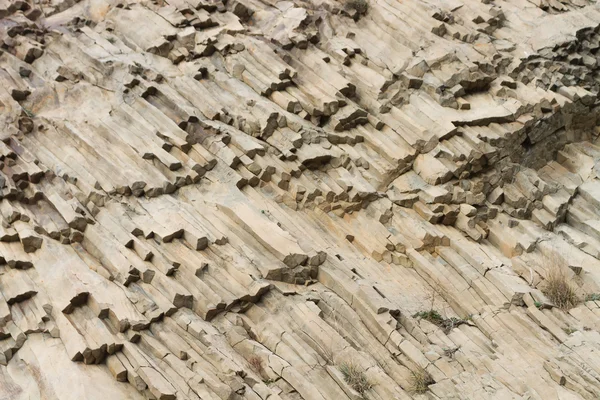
(210, 199)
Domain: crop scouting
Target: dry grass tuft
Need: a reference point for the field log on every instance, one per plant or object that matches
(354, 375)
(559, 290)
(420, 381)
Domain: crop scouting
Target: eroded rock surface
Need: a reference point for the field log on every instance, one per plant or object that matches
(204, 199)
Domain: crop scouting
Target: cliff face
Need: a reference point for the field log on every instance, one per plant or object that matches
(387, 199)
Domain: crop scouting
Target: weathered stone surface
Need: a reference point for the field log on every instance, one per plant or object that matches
(279, 200)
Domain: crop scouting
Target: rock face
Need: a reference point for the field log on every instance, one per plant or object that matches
(209, 199)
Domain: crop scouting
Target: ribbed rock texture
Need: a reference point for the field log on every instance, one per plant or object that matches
(251, 199)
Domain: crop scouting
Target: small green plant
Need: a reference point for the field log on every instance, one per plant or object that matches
(432, 316)
(420, 381)
(361, 6)
(537, 304)
(559, 290)
(28, 112)
(568, 330)
(354, 375)
(593, 297)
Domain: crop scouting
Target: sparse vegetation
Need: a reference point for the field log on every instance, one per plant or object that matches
(361, 6)
(327, 350)
(568, 330)
(537, 304)
(447, 324)
(432, 316)
(354, 375)
(420, 381)
(27, 112)
(558, 288)
(593, 297)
